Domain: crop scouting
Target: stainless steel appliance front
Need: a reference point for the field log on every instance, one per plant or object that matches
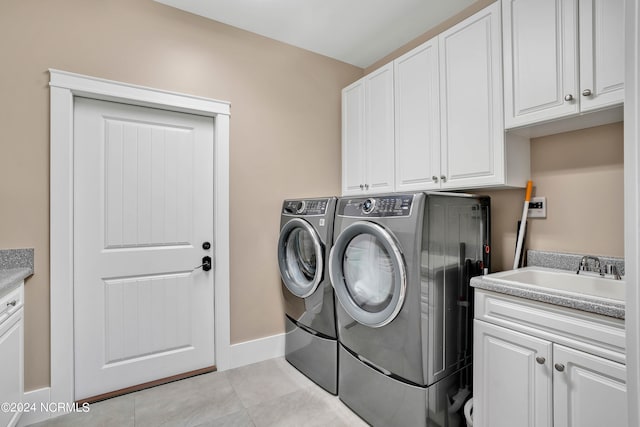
(306, 233)
(401, 265)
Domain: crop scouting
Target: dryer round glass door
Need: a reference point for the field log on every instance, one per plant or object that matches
(300, 257)
(368, 273)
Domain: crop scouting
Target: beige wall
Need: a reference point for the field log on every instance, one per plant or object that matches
(581, 175)
(285, 106)
(428, 35)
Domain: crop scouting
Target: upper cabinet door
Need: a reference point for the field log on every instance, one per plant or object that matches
(353, 138)
(379, 134)
(417, 119)
(540, 60)
(472, 126)
(601, 53)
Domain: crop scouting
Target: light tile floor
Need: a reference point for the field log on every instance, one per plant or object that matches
(269, 393)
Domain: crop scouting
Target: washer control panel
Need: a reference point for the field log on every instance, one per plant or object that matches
(377, 207)
(305, 207)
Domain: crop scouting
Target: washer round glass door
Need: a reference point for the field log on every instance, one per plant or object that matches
(300, 257)
(368, 273)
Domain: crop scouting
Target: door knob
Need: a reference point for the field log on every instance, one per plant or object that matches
(206, 264)
(206, 246)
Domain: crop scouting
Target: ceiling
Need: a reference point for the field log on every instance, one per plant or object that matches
(358, 32)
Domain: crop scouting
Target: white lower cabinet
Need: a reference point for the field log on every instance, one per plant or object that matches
(588, 390)
(510, 387)
(527, 376)
(11, 357)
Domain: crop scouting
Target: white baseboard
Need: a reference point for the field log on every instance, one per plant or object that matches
(36, 399)
(248, 352)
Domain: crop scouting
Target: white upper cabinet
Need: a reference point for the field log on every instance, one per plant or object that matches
(379, 133)
(368, 134)
(472, 127)
(417, 107)
(449, 121)
(353, 138)
(561, 58)
(601, 53)
(540, 60)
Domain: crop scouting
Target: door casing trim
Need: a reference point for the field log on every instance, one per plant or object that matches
(64, 86)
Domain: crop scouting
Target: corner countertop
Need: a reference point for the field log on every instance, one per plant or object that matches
(588, 303)
(15, 266)
(10, 277)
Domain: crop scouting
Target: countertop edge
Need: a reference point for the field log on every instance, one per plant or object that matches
(10, 277)
(579, 302)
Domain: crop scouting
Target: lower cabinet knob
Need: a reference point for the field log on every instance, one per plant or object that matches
(568, 97)
(443, 178)
(434, 178)
(541, 360)
(559, 367)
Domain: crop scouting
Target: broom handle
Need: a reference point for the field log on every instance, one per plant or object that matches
(523, 225)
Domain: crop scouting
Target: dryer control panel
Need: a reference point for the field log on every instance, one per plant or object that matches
(377, 207)
(305, 207)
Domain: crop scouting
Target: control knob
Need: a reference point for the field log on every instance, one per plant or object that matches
(368, 206)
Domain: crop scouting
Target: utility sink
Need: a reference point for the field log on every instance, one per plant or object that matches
(565, 282)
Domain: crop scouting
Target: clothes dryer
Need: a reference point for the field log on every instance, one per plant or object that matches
(306, 232)
(401, 265)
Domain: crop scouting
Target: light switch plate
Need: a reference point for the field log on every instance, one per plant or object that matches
(537, 207)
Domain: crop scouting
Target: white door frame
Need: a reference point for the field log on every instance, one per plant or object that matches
(632, 204)
(64, 87)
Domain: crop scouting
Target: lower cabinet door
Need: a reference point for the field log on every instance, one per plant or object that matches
(11, 367)
(588, 391)
(512, 378)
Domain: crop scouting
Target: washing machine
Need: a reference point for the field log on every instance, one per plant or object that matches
(400, 266)
(306, 233)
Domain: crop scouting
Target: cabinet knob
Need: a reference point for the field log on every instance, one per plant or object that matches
(12, 303)
(362, 186)
(443, 178)
(586, 92)
(541, 360)
(366, 186)
(568, 97)
(435, 179)
(559, 367)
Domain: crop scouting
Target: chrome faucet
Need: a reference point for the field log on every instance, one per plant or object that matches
(584, 264)
(608, 270)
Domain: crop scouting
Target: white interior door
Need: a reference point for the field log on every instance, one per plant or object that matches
(143, 207)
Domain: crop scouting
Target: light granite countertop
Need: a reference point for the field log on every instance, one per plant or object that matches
(589, 303)
(15, 266)
(11, 277)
